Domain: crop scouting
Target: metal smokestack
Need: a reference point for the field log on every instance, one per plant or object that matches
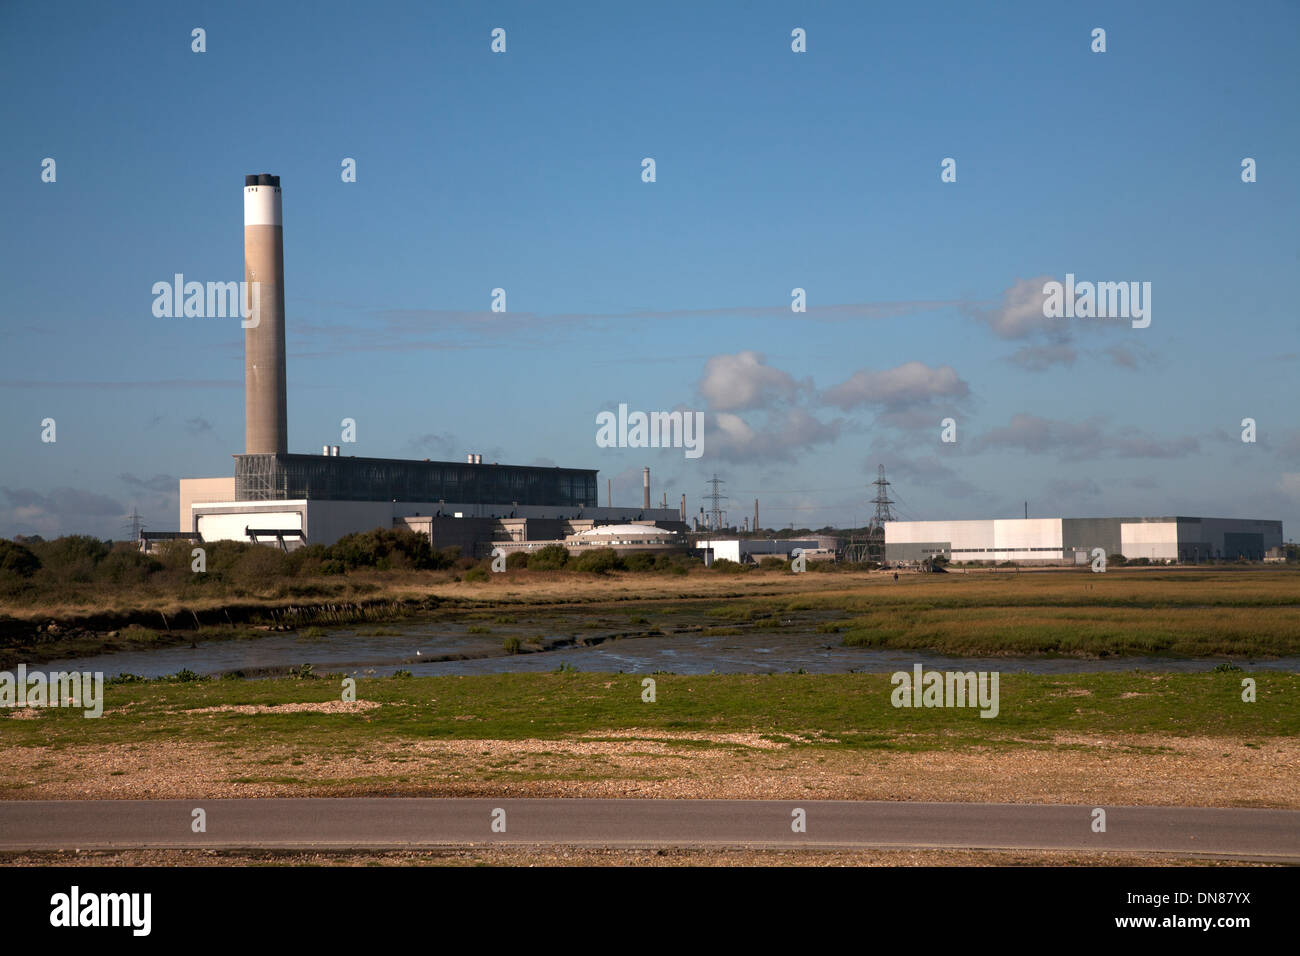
(266, 416)
(683, 507)
(645, 488)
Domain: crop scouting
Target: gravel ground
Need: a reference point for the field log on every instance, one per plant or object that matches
(584, 856)
(1119, 770)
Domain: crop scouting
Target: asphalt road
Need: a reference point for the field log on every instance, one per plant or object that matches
(408, 822)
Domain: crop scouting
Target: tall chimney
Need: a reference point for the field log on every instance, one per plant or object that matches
(266, 416)
(755, 514)
(645, 488)
(683, 507)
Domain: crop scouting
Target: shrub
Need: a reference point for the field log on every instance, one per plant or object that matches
(727, 566)
(127, 565)
(599, 561)
(511, 644)
(73, 549)
(384, 548)
(73, 557)
(261, 564)
(445, 558)
(772, 563)
(1116, 559)
(477, 573)
(516, 560)
(553, 557)
(17, 560)
(639, 561)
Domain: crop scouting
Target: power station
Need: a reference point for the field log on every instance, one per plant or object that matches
(291, 499)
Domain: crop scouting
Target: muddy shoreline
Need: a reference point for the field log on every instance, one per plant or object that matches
(34, 642)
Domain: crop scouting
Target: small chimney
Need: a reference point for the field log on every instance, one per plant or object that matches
(645, 489)
(334, 451)
(325, 450)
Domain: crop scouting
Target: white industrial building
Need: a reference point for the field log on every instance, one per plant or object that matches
(1072, 540)
(752, 550)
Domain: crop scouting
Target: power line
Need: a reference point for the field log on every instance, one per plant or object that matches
(794, 491)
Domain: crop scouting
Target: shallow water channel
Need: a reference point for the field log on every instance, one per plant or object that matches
(607, 643)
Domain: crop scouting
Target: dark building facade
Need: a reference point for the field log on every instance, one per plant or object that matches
(276, 477)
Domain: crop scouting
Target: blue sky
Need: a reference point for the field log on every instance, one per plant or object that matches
(774, 169)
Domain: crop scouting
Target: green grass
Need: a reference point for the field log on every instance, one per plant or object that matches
(1091, 630)
(849, 710)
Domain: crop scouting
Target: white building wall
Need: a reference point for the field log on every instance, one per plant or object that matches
(1011, 539)
(732, 549)
(230, 527)
(1027, 539)
(199, 491)
(1155, 540)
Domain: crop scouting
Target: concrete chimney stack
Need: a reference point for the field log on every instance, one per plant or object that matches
(266, 415)
(645, 488)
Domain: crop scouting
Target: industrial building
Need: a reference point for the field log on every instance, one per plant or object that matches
(1072, 540)
(293, 499)
(579, 537)
(753, 550)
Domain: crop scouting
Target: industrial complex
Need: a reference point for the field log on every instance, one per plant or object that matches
(277, 497)
(292, 499)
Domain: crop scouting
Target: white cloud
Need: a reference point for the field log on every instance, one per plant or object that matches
(911, 383)
(733, 383)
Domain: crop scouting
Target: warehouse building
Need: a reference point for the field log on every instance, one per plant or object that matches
(1072, 540)
(753, 550)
